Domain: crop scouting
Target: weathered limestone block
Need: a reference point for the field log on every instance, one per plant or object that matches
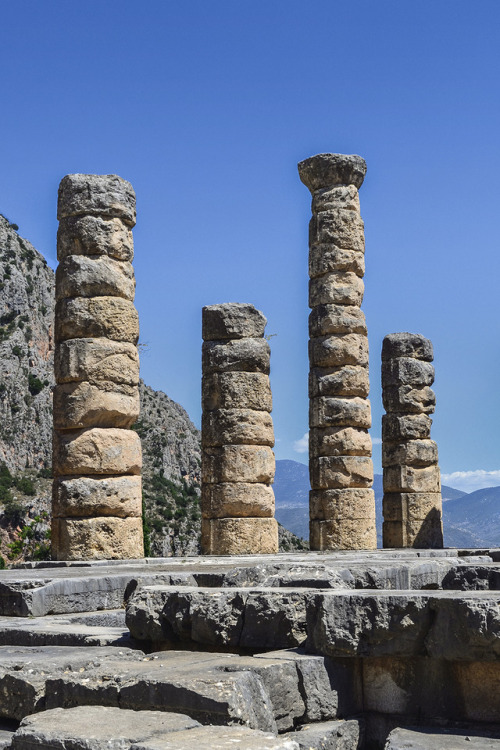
(97, 451)
(328, 319)
(96, 195)
(412, 499)
(341, 227)
(236, 390)
(234, 321)
(96, 317)
(237, 427)
(339, 412)
(238, 355)
(336, 288)
(239, 536)
(407, 371)
(94, 236)
(97, 496)
(81, 276)
(237, 499)
(411, 453)
(340, 196)
(406, 399)
(350, 380)
(339, 441)
(351, 503)
(343, 534)
(341, 472)
(407, 345)
(96, 459)
(100, 538)
(400, 427)
(80, 405)
(336, 351)
(412, 479)
(95, 360)
(324, 259)
(237, 433)
(399, 506)
(238, 463)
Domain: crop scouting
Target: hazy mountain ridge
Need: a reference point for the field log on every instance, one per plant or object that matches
(469, 520)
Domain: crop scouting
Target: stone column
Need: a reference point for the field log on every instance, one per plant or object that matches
(342, 504)
(97, 461)
(237, 434)
(412, 486)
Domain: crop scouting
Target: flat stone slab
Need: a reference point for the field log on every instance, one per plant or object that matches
(83, 629)
(451, 625)
(273, 692)
(329, 735)
(436, 739)
(37, 589)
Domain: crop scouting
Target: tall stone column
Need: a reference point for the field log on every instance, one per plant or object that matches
(342, 504)
(412, 486)
(97, 460)
(237, 434)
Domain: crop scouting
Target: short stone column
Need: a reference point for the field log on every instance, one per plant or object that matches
(412, 486)
(342, 503)
(97, 498)
(237, 434)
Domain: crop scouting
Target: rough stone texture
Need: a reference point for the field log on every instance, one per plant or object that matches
(97, 496)
(239, 536)
(412, 486)
(81, 276)
(338, 351)
(97, 374)
(237, 427)
(232, 321)
(96, 317)
(94, 235)
(238, 464)
(81, 405)
(99, 538)
(96, 360)
(350, 380)
(97, 451)
(419, 738)
(329, 735)
(349, 503)
(96, 195)
(235, 499)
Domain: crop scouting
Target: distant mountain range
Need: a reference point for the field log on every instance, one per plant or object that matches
(469, 519)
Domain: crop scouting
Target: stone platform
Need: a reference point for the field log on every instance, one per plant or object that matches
(324, 651)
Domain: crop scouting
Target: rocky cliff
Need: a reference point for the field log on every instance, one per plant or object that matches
(170, 441)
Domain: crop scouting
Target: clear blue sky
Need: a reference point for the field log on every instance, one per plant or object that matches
(207, 106)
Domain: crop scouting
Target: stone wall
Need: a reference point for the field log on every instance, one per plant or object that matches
(237, 433)
(412, 487)
(97, 460)
(342, 503)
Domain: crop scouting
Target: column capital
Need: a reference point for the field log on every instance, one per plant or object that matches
(327, 170)
(106, 195)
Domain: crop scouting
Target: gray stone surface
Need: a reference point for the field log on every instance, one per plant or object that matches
(96, 728)
(329, 735)
(440, 739)
(232, 320)
(326, 170)
(407, 345)
(96, 195)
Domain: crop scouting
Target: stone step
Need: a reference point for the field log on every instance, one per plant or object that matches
(83, 629)
(44, 588)
(441, 739)
(274, 691)
(101, 728)
(449, 625)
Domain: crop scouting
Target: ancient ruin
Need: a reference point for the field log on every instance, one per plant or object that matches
(412, 487)
(97, 461)
(237, 433)
(342, 504)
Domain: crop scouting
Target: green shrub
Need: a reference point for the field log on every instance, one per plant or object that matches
(25, 485)
(35, 385)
